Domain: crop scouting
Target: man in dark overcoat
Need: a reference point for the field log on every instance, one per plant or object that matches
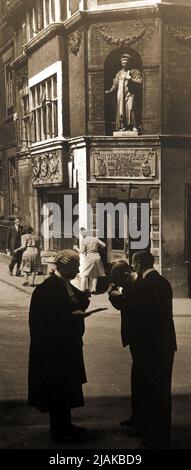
(56, 364)
(153, 343)
(14, 242)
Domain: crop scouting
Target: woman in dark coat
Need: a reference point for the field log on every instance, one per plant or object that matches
(56, 364)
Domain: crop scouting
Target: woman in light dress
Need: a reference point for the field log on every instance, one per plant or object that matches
(91, 266)
(31, 257)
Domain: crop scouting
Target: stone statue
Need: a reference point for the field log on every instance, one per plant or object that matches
(128, 83)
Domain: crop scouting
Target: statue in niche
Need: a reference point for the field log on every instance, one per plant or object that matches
(128, 84)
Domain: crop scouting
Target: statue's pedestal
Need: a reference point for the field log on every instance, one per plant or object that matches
(125, 134)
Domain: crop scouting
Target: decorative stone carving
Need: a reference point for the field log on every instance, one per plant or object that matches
(9, 6)
(75, 40)
(136, 33)
(47, 168)
(132, 163)
(22, 77)
(180, 33)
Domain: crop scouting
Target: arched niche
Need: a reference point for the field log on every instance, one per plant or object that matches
(111, 66)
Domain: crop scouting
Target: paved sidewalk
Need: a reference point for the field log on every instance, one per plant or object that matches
(15, 281)
(182, 306)
(108, 365)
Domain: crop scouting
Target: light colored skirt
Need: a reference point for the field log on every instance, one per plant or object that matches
(92, 266)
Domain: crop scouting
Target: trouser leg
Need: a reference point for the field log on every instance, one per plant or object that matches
(60, 421)
(12, 262)
(18, 262)
(157, 403)
(135, 396)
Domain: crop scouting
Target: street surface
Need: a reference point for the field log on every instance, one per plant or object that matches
(107, 393)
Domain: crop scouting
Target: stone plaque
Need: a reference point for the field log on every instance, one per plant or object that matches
(131, 163)
(47, 168)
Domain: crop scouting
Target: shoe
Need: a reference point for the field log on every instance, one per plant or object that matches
(32, 285)
(78, 430)
(25, 284)
(129, 422)
(70, 434)
(10, 272)
(134, 432)
(18, 273)
(132, 427)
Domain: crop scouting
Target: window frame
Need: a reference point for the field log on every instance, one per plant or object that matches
(40, 15)
(9, 90)
(36, 82)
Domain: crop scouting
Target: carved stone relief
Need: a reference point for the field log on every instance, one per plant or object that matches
(75, 40)
(180, 33)
(135, 33)
(47, 168)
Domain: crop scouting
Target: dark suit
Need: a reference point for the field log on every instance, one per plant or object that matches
(56, 365)
(124, 303)
(152, 341)
(13, 242)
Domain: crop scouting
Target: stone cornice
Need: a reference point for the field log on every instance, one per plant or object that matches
(168, 13)
(50, 31)
(19, 61)
(7, 45)
(13, 10)
(160, 140)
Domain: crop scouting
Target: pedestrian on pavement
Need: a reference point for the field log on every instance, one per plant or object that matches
(13, 242)
(152, 341)
(92, 267)
(29, 249)
(56, 364)
(122, 281)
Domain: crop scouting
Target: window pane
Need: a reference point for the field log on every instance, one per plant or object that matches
(53, 9)
(54, 87)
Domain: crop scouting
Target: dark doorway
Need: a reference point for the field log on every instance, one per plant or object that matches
(67, 238)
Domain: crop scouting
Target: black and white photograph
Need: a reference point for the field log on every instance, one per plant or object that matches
(95, 229)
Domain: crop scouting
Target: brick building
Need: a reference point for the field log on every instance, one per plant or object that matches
(56, 125)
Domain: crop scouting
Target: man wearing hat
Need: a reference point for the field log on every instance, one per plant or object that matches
(128, 83)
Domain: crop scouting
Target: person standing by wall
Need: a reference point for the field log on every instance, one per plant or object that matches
(14, 242)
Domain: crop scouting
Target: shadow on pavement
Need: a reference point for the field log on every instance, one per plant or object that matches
(23, 427)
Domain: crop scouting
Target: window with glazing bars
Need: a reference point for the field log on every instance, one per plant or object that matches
(44, 110)
(40, 15)
(9, 90)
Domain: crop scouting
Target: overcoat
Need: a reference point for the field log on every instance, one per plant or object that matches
(56, 364)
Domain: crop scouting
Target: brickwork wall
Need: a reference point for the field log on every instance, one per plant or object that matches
(176, 172)
(77, 89)
(44, 56)
(176, 83)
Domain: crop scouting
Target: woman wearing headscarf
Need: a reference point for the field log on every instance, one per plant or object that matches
(56, 364)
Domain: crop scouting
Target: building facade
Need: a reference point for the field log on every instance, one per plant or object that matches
(57, 58)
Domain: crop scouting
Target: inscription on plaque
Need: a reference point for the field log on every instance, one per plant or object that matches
(132, 163)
